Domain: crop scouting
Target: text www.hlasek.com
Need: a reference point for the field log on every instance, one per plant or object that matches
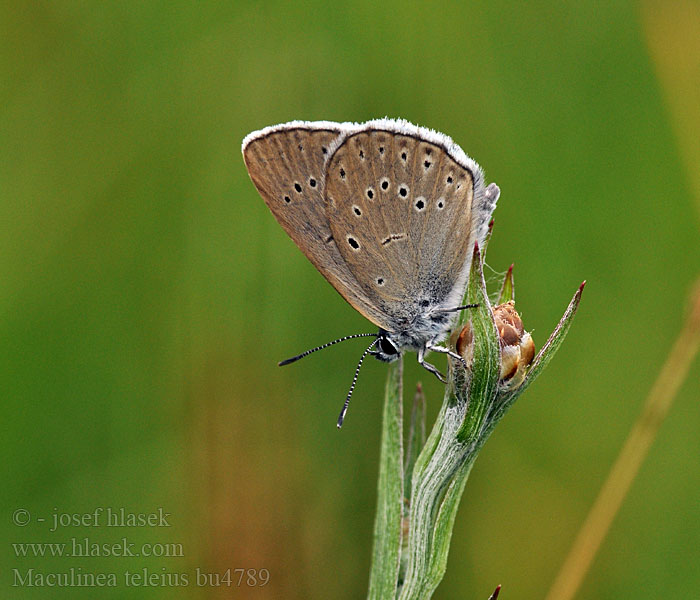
(83, 547)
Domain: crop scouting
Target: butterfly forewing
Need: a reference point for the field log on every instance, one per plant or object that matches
(286, 164)
(400, 209)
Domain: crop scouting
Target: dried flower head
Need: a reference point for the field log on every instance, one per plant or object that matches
(517, 346)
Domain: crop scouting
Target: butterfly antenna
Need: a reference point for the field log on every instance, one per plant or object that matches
(341, 418)
(342, 339)
(458, 308)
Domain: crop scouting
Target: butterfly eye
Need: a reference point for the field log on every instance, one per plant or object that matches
(387, 347)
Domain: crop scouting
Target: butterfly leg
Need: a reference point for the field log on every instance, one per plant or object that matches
(428, 366)
(449, 352)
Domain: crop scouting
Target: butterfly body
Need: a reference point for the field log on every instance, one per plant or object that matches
(388, 212)
(419, 331)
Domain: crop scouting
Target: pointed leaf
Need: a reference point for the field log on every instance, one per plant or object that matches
(386, 550)
(416, 438)
(552, 345)
(508, 288)
(486, 364)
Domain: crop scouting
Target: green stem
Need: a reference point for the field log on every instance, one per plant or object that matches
(411, 543)
(439, 478)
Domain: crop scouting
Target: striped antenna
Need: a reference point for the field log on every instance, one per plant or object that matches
(341, 418)
(303, 354)
(457, 308)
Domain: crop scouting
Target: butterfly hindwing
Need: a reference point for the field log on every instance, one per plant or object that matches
(286, 164)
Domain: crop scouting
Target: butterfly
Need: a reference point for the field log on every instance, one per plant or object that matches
(388, 212)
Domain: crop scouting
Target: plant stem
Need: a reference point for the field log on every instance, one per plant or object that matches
(417, 500)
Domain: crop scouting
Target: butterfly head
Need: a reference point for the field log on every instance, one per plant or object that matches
(386, 349)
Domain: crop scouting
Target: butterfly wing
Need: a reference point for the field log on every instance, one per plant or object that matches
(405, 206)
(286, 164)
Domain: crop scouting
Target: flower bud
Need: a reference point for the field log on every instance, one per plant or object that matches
(517, 347)
(462, 340)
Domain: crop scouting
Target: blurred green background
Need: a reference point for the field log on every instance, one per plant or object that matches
(147, 292)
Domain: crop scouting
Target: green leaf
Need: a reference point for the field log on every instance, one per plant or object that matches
(411, 567)
(438, 482)
(508, 288)
(444, 523)
(486, 364)
(541, 360)
(552, 345)
(495, 593)
(386, 550)
(433, 477)
(415, 442)
(416, 438)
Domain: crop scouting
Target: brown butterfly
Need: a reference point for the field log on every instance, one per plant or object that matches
(388, 212)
